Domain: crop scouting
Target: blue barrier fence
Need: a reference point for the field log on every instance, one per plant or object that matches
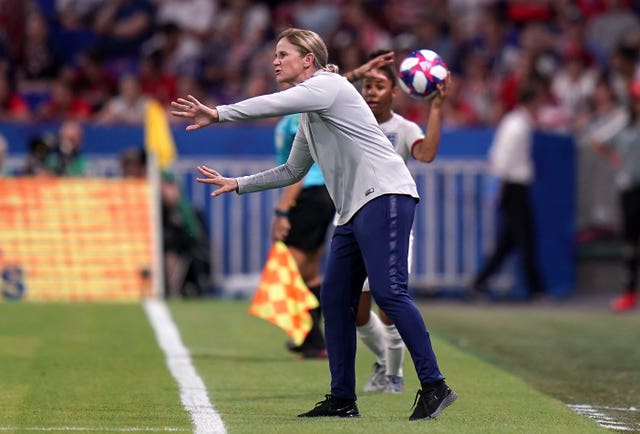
(455, 223)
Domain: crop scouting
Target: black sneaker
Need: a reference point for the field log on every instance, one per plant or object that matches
(430, 403)
(333, 407)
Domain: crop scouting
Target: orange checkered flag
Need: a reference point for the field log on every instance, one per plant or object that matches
(282, 297)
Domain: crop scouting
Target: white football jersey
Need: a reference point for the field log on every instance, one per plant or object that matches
(402, 133)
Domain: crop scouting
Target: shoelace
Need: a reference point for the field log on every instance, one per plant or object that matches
(326, 399)
(421, 393)
(415, 401)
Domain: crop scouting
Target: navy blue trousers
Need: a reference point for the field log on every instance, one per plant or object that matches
(374, 243)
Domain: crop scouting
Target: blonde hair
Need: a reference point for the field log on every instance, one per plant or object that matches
(307, 41)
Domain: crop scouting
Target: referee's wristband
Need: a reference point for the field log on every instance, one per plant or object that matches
(280, 213)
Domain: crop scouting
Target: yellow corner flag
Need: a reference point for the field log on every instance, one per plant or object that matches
(282, 296)
(157, 134)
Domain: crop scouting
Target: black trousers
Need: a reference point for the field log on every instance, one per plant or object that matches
(517, 231)
(630, 203)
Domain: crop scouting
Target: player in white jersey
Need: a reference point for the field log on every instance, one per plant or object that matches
(379, 334)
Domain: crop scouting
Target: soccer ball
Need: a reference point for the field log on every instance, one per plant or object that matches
(421, 72)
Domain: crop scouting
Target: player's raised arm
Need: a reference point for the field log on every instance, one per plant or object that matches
(426, 150)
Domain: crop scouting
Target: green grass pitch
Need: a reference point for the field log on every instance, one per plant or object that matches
(97, 368)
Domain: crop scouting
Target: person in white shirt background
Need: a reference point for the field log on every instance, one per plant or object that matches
(511, 162)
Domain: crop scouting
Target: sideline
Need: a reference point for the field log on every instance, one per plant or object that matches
(87, 429)
(602, 416)
(193, 392)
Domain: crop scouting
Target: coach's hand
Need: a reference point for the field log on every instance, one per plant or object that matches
(225, 185)
(191, 108)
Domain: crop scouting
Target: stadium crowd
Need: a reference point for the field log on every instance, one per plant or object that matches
(99, 60)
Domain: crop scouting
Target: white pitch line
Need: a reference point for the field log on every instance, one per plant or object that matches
(605, 407)
(88, 429)
(601, 417)
(193, 392)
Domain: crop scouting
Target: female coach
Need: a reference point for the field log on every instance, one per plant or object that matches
(374, 195)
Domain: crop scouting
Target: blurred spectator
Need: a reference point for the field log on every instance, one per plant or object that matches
(571, 27)
(57, 154)
(189, 85)
(320, 16)
(71, 27)
(4, 150)
(457, 112)
(239, 32)
(608, 28)
(519, 11)
(623, 151)
(429, 31)
(13, 17)
(520, 71)
(38, 151)
(476, 91)
(13, 107)
(575, 80)
(155, 82)
(359, 27)
(76, 14)
(39, 61)
(186, 246)
(624, 68)
(251, 19)
(602, 117)
(133, 163)
(66, 158)
(127, 107)
(91, 80)
(62, 104)
(178, 52)
(348, 55)
(122, 26)
(195, 17)
(511, 161)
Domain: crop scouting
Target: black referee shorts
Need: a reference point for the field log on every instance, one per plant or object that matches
(310, 218)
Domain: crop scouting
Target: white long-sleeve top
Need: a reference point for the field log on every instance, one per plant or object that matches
(510, 156)
(339, 132)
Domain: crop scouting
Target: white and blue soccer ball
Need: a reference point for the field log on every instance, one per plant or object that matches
(420, 73)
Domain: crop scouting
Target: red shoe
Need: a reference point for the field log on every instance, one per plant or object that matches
(625, 302)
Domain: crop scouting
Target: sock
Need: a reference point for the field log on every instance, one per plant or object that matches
(372, 335)
(395, 350)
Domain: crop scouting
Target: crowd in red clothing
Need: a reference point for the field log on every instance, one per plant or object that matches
(99, 60)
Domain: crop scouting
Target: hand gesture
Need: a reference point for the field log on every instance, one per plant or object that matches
(225, 185)
(191, 108)
(363, 70)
